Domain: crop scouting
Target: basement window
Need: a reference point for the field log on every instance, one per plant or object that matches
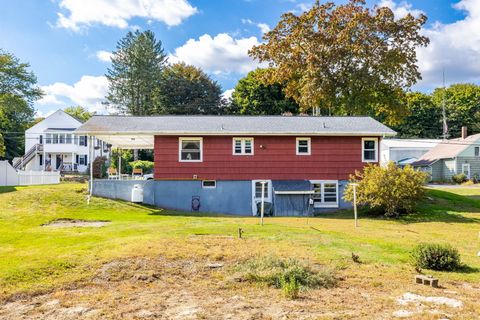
(209, 184)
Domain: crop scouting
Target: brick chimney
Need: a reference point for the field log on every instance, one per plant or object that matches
(464, 132)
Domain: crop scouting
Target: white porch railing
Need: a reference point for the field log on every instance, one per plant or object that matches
(26, 178)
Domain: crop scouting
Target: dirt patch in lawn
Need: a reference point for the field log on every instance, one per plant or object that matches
(67, 222)
(161, 288)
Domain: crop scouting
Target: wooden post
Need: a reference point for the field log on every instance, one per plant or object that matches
(262, 205)
(354, 185)
(240, 231)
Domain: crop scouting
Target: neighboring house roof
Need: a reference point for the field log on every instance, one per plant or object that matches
(59, 119)
(446, 149)
(410, 143)
(58, 129)
(232, 125)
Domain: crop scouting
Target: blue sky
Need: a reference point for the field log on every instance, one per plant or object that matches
(67, 42)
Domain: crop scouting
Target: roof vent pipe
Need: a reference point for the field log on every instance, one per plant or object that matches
(464, 132)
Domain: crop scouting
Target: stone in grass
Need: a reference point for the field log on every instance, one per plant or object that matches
(214, 265)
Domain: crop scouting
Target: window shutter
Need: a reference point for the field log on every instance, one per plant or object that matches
(86, 162)
(76, 158)
(86, 141)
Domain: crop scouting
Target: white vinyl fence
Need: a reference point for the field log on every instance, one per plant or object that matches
(10, 177)
(28, 178)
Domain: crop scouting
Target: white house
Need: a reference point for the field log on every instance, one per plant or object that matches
(404, 151)
(51, 145)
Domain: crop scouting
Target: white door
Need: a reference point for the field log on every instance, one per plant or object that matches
(257, 193)
(466, 169)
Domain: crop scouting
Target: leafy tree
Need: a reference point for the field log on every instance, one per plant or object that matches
(136, 73)
(462, 104)
(79, 112)
(127, 157)
(254, 97)
(423, 120)
(345, 59)
(391, 189)
(187, 89)
(18, 91)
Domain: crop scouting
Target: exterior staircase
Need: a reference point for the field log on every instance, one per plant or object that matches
(20, 162)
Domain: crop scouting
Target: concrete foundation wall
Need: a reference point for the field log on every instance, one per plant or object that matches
(229, 197)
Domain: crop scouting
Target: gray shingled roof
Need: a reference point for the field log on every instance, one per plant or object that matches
(231, 125)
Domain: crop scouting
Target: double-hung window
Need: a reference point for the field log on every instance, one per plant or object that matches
(369, 149)
(190, 150)
(48, 138)
(242, 146)
(55, 138)
(477, 151)
(325, 194)
(68, 139)
(303, 146)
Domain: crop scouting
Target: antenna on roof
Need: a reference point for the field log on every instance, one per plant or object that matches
(444, 115)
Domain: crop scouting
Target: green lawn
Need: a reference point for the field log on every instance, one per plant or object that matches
(33, 257)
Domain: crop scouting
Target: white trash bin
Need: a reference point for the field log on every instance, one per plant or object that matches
(137, 193)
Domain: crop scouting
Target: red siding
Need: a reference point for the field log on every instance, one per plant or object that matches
(332, 158)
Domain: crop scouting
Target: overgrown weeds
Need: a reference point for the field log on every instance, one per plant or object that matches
(290, 275)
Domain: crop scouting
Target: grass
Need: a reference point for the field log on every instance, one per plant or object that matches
(34, 258)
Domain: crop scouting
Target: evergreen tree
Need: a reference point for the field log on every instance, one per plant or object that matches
(136, 74)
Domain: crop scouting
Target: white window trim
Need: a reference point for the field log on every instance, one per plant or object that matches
(466, 165)
(180, 148)
(243, 146)
(209, 187)
(363, 149)
(322, 204)
(309, 145)
(255, 200)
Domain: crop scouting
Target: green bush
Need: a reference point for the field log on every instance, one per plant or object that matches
(390, 190)
(441, 257)
(290, 287)
(290, 275)
(459, 178)
(146, 166)
(99, 167)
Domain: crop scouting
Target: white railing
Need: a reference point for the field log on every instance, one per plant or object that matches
(27, 178)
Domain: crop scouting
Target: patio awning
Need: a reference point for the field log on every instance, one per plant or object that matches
(127, 141)
(292, 187)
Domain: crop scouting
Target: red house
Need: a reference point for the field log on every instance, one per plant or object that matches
(218, 163)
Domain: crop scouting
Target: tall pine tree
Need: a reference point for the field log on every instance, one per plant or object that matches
(136, 73)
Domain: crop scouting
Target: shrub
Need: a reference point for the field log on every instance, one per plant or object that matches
(442, 257)
(391, 189)
(459, 178)
(146, 166)
(290, 287)
(99, 167)
(290, 275)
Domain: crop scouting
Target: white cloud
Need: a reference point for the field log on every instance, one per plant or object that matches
(454, 47)
(264, 28)
(221, 54)
(400, 10)
(104, 56)
(227, 94)
(88, 92)
(117, 13)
